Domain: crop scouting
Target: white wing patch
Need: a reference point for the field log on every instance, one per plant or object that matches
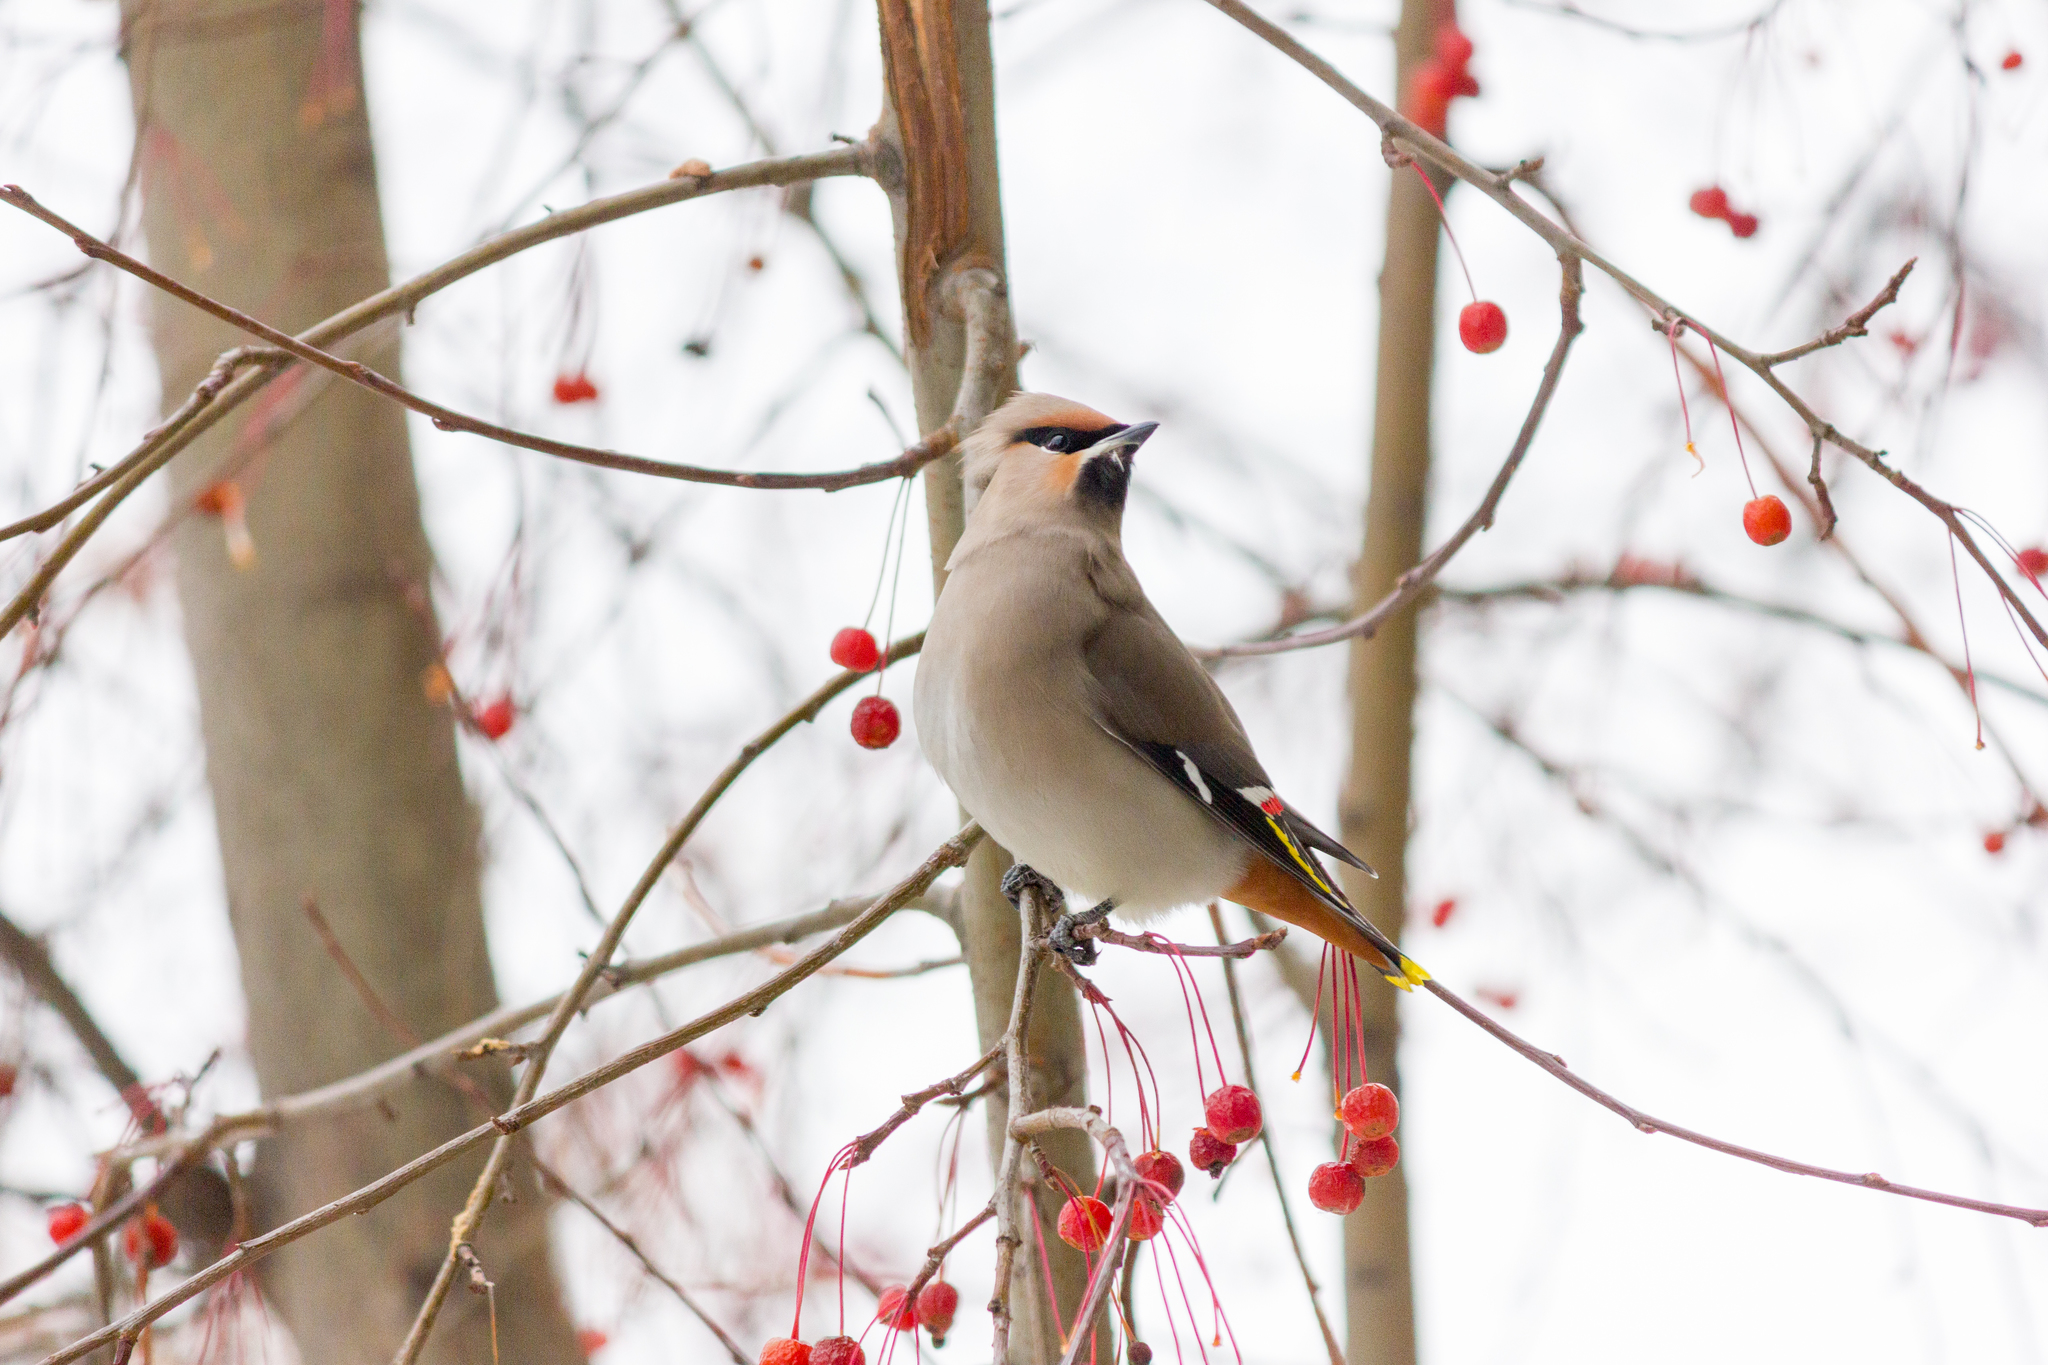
(1195, 776)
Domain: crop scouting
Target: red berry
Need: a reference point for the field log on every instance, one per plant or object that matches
(151, 1235)
(1370, 1111)
(1207, 1152)
(1464, 83)
(66, 1220)
(854, 648)
(1147, 1220)
(575, 388)
(1376, 1157)
(783, 1351)
(895, 1311)
(1084, 1223)
(937, 1302)
(838, 1351)
(495, 720)
(1765, 519)
(1335, 1187)
(1442, 914)
(1430, 92)
(10, 1076)
(875, 723)
(1483, 327)
(1162, 1168)
(590, 1341)
(2012, 61)
(1233, 1114)
(1994, 842)
(2033, 562)
(1742, 224)
(1711, 202)
(1453, 46)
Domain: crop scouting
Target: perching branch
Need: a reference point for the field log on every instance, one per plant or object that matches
(948, 855)
(1857, 324)
(1411, 584)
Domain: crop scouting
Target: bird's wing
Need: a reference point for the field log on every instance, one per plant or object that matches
(1152, 695)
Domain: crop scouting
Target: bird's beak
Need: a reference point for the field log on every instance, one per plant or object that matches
(1123, 443)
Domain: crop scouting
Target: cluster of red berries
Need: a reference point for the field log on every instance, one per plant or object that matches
(1369, 1114)
(149, 1238)
(1712, 202)
(1441, 79)
(876, 722)
(574, 388)
(933, 1309)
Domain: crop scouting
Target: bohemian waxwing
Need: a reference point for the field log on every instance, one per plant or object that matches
(1076, 727)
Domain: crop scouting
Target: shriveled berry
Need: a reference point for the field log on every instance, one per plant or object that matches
(1765, 519)
(1335, 1187)
(854, 648)
(1369, 1111)
(2033, 562)
(494, 720)
(1141, 1354)
(1994, 842)
(1431, 89)
(1483, 327)
(1375, 1157)
(1147, 1220)
(1742, 224)
(875, 723)
(1162, 1168)
(838, 1351)
(10, 1076)
(150, 1236)
(1233, 1114)
(66, 1220)
(1207, 1152)
(1711, 202)
(937, 1302)
(783, 1351)
(897, 1310)
(1084, 1223)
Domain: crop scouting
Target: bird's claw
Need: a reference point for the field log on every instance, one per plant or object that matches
(1021, 876)
(1064, 940)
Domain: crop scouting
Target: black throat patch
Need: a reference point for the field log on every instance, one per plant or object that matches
(1104, 480)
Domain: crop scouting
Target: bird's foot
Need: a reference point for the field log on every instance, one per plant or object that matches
(1068, 943)
(1021, 876)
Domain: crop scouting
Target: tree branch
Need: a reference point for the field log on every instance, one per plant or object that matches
(948, 855)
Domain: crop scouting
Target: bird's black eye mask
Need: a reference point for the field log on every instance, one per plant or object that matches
(1066, 440)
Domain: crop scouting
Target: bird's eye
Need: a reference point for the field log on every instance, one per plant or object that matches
(1056, 441)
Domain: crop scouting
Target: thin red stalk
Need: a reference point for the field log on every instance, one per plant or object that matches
(1729, 403)
(1181, 964)
(1963, 621)
(1315, 1013)
(1444, 214)
(1684, 409)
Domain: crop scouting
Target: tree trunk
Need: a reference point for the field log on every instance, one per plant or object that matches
(334, 776)
(938, 135)
(1379, 1295)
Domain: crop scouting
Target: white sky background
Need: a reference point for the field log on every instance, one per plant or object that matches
(1779, 926)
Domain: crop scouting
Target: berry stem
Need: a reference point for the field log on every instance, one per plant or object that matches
(1444, 214)
(1671, 332)
(1729, 403)
(1963, 621)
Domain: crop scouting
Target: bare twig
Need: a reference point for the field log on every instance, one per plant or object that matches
(936, 1256)
(1647, 1123)
(31, 961)
(948, 855)
(1403, 138)
(864, 1147)
(1857, 324)
(400, 300)
(933, 447)
(1411, 584)
(626, 1240)
(1153, 943)
(1129, 1182)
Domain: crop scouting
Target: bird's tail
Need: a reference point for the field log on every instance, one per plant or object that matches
(1271, 891)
